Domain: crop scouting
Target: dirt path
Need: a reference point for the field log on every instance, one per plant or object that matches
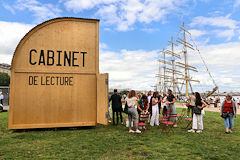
(209, 108)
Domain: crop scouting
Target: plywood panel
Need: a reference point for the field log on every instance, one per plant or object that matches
(50, 84)
(102, 99)
(55, 103)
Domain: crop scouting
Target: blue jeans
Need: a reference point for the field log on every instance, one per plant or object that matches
(229, 121)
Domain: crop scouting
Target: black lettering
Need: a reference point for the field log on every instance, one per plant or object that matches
(50, 57)
(47, 80)
(66, 80)
(61, 80)
(30, 56)
(42, 81)
(70, 81)
(59, 64)
(73, 59)
(67, 57)
(83, 53)
(30, 80)
(52, 83)
(35, 80)
(41, 58)
(57, 80)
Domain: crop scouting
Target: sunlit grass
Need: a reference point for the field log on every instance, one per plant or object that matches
(114, 142)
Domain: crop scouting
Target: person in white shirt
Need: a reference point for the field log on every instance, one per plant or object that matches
(191, 100)
(132, 100)
(238, 102)
(164, 101)
(155, 110)
(149, 96)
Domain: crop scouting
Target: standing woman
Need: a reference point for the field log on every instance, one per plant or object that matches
(132, 113)
(228, 112)
(197, 123)
(192, 100)
(155, 110)
(164, 101)
(142, 106)
(159, 104)
(171, 106)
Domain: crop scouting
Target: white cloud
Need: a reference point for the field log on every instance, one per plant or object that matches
(223, 63)
(150, 30)
(225, 33)
(41, 11)
(125, 13)
(80, 5)
(236, 4)
(102, 46)
(11, 33)
(221, 21)
(137, 69)
(9, 8)
(197, 33)
(218, 26)
(130, 69)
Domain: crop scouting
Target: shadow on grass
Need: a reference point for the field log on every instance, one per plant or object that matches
(53, 129)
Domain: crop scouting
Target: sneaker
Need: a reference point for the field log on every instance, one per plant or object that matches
(122, 123)
(227, 132)
(144, 127)
(198, 131)
(191, 131)
(109, 121)
(131, 131)
(137, 131)
(230, 131)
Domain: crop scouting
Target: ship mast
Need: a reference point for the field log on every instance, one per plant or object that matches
(171, 77)
(185, 65)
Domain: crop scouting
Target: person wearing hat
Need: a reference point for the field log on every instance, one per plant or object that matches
(228, 112)
(1, 98)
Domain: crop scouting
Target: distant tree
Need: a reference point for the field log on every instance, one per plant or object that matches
(123, 92)
(4, 79)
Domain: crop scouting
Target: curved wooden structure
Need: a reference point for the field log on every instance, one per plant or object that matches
(55, 80)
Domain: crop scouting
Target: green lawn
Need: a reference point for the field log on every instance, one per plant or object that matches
(114, 142)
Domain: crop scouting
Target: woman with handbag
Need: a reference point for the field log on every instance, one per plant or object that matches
(228, 112)
(132, 100)
(197, 122)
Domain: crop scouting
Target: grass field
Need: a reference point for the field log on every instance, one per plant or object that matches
(114, 142)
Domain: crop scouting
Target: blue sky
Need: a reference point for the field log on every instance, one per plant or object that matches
(133, 31)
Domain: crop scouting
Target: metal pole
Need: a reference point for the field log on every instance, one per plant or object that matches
(185, 59)
(173, 68)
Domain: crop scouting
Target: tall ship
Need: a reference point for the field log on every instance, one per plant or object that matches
(175, 72)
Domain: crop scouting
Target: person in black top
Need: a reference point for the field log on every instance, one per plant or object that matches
(171, 106)
(159, 104)
(197, 121)
(116, 106)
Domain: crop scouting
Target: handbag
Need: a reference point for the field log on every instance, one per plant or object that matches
(196, 110)
(225, 115)
(126, 108)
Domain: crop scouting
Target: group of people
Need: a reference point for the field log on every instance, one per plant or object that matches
(155, 104)
(150, 103)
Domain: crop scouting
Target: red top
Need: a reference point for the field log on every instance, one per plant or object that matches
(228, 107)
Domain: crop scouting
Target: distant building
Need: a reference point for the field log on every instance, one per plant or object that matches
(5, 68)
